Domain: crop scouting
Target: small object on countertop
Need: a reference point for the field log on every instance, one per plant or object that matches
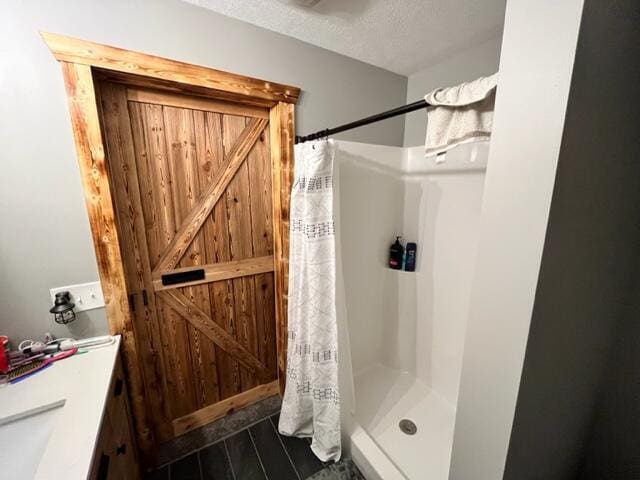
(410, 261)
(88, 343)
(4, 364)
(23, 371)
(28, 369)
(63, 355)
(395, 255)
(17, 358)
(34, 347)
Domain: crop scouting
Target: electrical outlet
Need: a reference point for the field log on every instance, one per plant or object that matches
(86, 296)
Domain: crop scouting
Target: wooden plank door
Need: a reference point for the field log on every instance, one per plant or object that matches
(192, 185)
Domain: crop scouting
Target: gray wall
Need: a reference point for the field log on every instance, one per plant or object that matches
(44, 239)
(477, 61)
(612, 449)
(589, 272)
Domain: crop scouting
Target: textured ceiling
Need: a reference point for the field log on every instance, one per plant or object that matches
(403, 36)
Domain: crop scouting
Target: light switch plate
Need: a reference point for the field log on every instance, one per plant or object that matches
(86, 296)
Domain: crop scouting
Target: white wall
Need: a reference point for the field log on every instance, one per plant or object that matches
(44, 240)
(477, 61)
(536, 64)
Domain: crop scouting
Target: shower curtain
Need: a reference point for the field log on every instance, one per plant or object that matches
(311, 403)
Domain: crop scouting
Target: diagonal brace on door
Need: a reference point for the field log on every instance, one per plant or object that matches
(203, 322)
(198, 215)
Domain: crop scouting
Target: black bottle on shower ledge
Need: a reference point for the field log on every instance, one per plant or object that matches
(396, 253)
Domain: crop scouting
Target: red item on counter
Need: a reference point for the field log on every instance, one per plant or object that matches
(4, 364)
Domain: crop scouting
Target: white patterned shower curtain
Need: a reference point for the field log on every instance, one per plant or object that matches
(311, 403)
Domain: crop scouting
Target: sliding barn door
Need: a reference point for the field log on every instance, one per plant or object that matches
(192, 187)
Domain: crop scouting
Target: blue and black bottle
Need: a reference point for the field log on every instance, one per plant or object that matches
(410, 258)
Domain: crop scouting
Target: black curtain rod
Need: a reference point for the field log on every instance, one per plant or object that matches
(364, 121)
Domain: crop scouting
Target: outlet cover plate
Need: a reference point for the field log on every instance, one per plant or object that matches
(86, 296)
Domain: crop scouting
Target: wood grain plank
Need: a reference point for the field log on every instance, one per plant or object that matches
(218, 249)
(209, 414)
(147, 125)
(177, 350)
(154, 172)
(111, 58)
(87, 136)
(260, 186)
(281, 131)
(203, 322)
(195, 103)
(234, 158)
(209, 153)
(224, 316)
(217, 225)
(124, 181)
(216, 272)
(183, 162)
(266, 322)
(245, 308)
(238, 202)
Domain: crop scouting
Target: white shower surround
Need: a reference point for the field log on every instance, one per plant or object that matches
(402, 333)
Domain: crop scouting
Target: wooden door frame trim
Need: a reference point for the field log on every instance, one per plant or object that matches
(228, 86)
(82, 63)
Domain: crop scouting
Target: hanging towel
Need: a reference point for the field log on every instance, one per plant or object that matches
(460, 114)
(311, 402)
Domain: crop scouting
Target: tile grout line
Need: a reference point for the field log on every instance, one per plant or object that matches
(286, 452)
(228, 457)
(199, 464)
(258, 454)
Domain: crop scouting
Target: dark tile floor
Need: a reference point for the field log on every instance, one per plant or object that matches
(258, 452)
(219, 430)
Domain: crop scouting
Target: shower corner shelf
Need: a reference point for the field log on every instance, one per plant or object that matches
(402, 271)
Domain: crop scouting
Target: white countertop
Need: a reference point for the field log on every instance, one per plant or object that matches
(79, 385)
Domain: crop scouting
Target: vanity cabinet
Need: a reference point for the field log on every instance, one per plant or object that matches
(115, 455)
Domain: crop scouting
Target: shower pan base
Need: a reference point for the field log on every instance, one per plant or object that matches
(385, 396)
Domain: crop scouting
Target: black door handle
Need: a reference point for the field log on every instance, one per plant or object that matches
(117, 388)
(103, 467)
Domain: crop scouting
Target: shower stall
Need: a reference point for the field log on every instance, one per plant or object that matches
(402, 333)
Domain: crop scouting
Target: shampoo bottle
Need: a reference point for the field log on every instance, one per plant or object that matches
(410, 260)
(395, 255)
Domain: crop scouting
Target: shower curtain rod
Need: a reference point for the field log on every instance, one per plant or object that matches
(364, 121)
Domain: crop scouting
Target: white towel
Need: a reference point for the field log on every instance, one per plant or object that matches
(459, 114)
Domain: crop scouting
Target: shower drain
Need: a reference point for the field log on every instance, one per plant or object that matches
(407, 426)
